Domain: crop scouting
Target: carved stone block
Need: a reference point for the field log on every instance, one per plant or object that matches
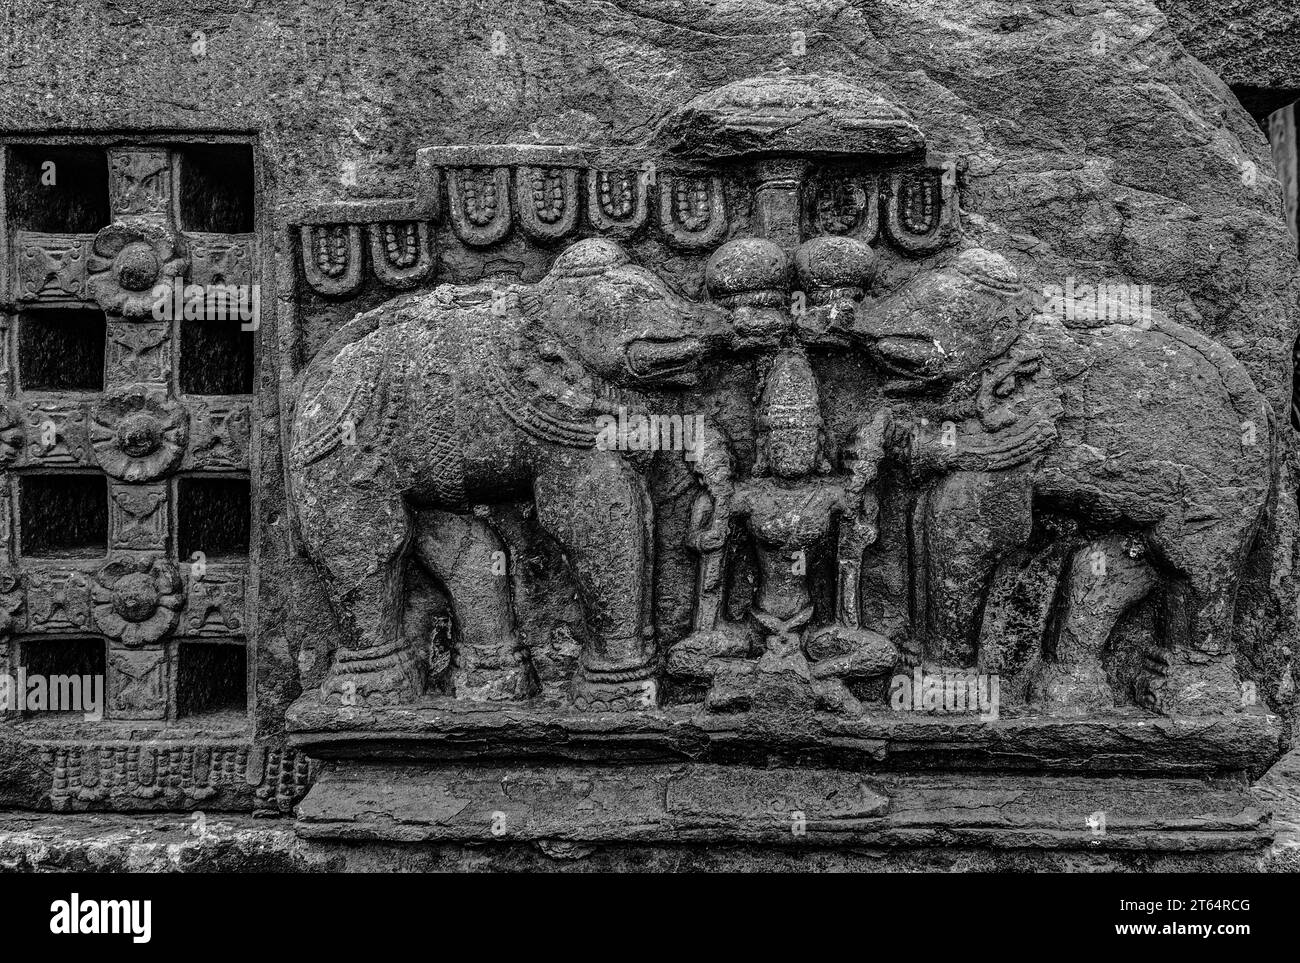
(57, 600)
(214, 604)
(219, 434)
(56, 432)
(705, 804)
(138, 516)
(139, 352)
(139, 182)
(226, 259)
(138, 682)
(51, 267)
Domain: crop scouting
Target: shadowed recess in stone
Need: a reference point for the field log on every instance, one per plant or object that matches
(210, 677)
(216, 188)
(57, 189)
(74, 657)
(63, 515)
(216, 357)
(212, 516)
(61, 350)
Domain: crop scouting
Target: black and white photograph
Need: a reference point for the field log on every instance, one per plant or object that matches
(618, 440)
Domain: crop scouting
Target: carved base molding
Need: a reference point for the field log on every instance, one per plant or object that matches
(655, 804)
(156, 775)
(1139, 743)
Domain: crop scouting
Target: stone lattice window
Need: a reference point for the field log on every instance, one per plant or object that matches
(124, 429)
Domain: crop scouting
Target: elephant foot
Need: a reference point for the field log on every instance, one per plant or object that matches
(1074, 690)
(1195, 685)
(391, 678)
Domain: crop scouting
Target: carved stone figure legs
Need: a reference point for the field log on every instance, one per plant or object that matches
(595, 505)
(357, 534)
(840, 654)
(1104, 581)
(469, 560)
(968, 520)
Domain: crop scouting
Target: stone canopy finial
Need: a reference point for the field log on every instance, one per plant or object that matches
(751, 277)
(791, 114)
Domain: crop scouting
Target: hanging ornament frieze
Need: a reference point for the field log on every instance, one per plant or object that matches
(878, 185)
(334, 239)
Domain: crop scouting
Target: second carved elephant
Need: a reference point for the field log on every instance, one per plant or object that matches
(1148, 433)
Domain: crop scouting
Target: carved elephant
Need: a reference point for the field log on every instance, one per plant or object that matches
(1150, 434)
(485, 393)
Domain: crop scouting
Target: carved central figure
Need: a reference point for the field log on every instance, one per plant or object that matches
(793, 507)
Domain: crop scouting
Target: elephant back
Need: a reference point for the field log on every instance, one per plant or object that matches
(1160, 419)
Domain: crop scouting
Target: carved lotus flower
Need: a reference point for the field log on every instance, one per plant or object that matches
(137, 600)
(127, 261)
(138, 434)
(11, 433)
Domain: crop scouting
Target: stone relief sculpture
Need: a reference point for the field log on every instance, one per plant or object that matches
(976, 422)
(479, 393)
(790, 506)
(655, 479)
(1091, 420)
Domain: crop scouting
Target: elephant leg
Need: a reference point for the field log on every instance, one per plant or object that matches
(1184, 678)
(1103, 582)
(357, 536)
(967, 522)
(469, 560)
(1194, 673)
(596, 507)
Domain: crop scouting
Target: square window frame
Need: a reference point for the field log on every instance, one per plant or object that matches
(19, 322)
(264, 271)
(191, 645)
(81, 553)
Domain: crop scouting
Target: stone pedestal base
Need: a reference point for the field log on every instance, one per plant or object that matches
(1125, 790)
(588, 806)
(157, 843)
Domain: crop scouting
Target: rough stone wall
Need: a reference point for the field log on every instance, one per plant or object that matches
(1254, 44)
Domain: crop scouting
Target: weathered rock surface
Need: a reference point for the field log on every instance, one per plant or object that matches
(1255, 44)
